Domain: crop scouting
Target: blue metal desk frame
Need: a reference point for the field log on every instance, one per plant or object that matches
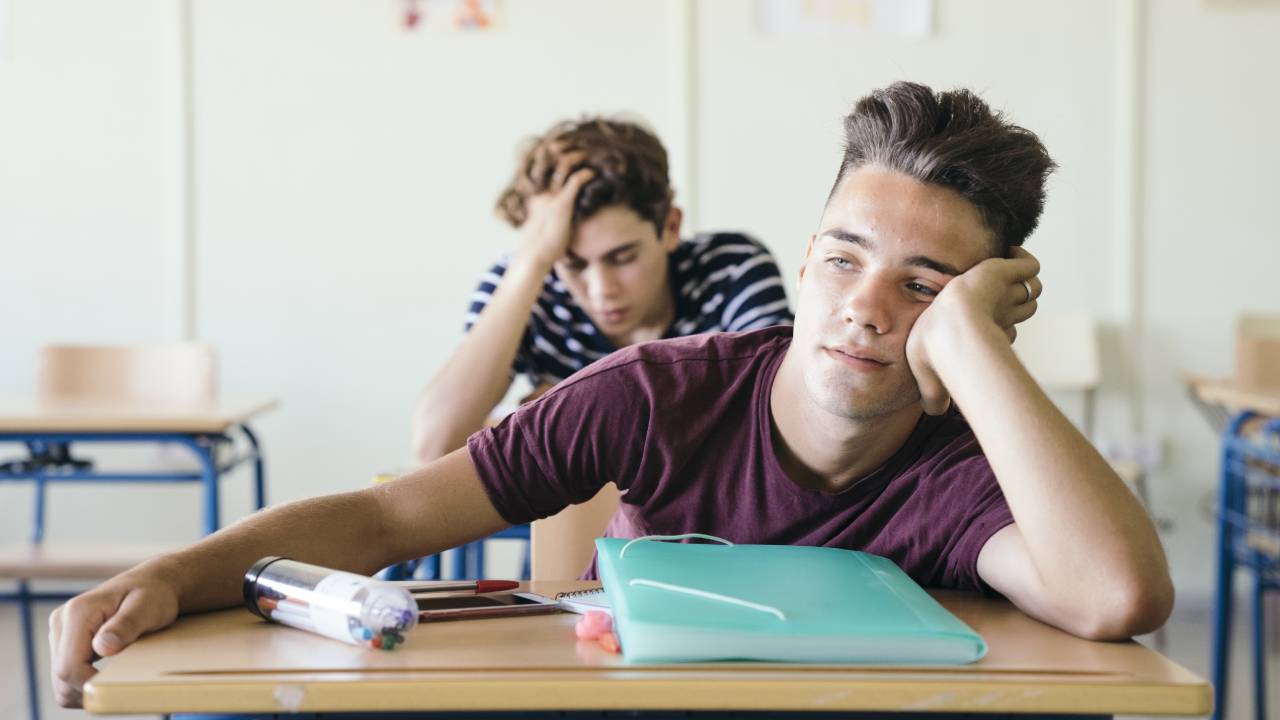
(1234, 521)
(202, 445)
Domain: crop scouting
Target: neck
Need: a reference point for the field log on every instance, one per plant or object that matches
(827, 452)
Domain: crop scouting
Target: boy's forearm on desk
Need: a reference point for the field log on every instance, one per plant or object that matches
(426, 512)
(1084, 530)
(338, 531)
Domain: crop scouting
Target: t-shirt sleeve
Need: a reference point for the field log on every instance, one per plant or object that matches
(756, 295)
(479, 300)
(562, 448)
(960, 506)
(982, 512)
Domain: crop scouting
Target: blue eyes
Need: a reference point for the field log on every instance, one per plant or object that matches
(917, 287)
(845, 264)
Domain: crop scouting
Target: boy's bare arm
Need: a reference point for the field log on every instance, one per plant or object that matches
(473, 380)
(1083, 554)
(438, 507)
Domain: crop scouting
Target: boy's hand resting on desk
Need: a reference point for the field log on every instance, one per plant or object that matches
(103, 621)
(990, 295)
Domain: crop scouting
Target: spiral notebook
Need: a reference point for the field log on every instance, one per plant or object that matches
(680, 602)
(584, 601)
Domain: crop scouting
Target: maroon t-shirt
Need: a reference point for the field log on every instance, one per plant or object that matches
(682, 427)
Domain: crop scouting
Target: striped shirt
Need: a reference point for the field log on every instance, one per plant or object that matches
(722, 282)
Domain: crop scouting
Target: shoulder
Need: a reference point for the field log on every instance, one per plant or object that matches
(720, 249)
(684, 360)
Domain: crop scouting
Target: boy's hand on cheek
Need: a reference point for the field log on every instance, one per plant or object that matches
(992, 295)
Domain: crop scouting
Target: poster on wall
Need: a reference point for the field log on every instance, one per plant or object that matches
(845, 18)
(454, 14)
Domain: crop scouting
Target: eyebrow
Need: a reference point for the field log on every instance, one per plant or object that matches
(923, 261)
(611, 254)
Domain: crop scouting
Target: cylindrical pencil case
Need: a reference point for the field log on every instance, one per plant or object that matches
(341, 605)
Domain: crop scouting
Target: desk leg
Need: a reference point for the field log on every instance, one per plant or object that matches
(29, 649)
(259, 481)
(38, 487)
(1223, 597)
(1259, 645)
(209, 477)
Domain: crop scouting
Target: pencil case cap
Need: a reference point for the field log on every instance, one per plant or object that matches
(250, 587)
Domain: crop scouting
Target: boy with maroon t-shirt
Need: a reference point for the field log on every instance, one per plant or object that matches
(839, 432)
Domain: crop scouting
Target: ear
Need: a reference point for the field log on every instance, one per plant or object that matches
(671, 229)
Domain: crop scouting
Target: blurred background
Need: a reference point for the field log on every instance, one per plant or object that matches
(308, 187)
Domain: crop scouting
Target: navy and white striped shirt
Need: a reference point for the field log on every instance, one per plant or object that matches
(723, 282)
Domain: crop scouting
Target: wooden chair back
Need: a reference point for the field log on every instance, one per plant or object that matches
(1258, 350)
(561, 546)
(179, 373)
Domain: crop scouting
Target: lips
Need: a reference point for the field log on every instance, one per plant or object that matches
(859, 356)
(613, 315)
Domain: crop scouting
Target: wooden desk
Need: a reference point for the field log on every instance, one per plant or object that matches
(1246, 539)
(196, 426)
(233, 662)
(1219, 399)
(47, 431)
(28, 416)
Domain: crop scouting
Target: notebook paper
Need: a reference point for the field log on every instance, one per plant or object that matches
(584, 601)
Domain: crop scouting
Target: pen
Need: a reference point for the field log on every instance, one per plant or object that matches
(420, 587)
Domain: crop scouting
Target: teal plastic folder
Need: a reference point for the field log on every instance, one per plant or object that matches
(683, 602)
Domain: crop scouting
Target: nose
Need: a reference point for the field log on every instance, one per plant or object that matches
(868, 304)
(602, 284)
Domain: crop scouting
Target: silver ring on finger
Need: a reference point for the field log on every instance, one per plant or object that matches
(1027, 286)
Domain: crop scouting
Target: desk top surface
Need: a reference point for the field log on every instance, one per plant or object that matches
(1232, 395)
(231, 661)
(32, 415)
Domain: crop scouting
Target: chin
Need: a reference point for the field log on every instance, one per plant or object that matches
(845, 399)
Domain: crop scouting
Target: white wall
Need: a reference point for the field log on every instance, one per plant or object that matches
(1212, 240)
(344, 171)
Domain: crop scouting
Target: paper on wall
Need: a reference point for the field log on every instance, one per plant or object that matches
(845, 18)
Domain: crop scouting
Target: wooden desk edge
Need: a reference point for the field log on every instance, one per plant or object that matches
(1227, 393)
(559, 691)
(215, 418)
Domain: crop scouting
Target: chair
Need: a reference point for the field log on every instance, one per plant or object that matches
(171, 373)
(1258, 350)
(1249, 539)
(1249, 508)
(174, 374)
(468, 560)
(561, 545)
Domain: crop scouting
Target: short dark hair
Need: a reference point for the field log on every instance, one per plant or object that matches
(630, 167)
(953, 139)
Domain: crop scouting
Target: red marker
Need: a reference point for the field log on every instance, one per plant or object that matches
(479, 587)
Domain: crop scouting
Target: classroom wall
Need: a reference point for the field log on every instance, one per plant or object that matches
(341, 172)
(1211, 240)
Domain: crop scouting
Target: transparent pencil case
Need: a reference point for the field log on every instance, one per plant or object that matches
(341, 605)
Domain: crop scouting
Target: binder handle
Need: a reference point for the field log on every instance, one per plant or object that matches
(623, 552)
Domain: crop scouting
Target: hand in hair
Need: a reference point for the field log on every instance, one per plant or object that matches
(545, 234)
(990, 294)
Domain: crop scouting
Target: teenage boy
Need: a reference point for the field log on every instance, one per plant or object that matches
(838, 433)
(600, 266)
